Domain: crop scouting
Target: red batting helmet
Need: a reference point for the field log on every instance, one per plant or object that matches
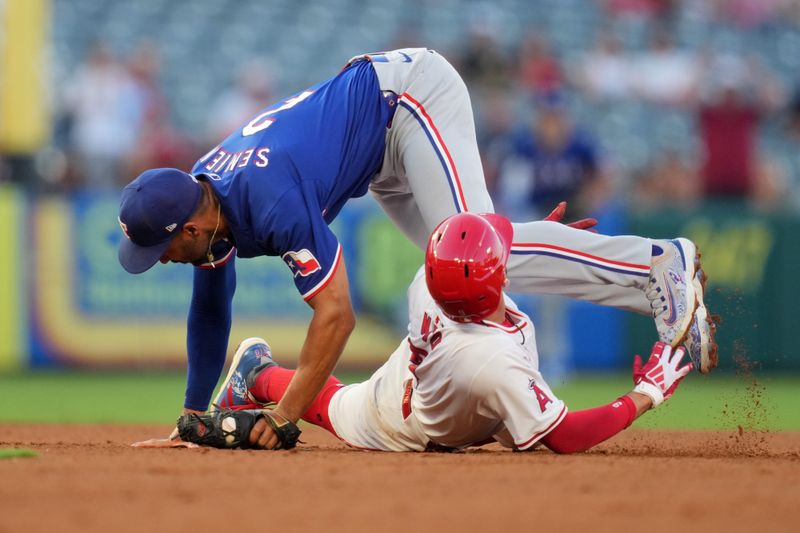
(465, 264)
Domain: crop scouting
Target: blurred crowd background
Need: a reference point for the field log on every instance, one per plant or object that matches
(639, 101)
(659, 117)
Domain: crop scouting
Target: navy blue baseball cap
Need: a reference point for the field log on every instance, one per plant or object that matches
(153, 209)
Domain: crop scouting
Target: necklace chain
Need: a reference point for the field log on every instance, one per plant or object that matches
(209, 255)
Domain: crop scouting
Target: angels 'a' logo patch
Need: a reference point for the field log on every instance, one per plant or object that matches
(302, 263)
(542, 398)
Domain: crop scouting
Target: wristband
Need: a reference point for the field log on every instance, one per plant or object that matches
(651, 391)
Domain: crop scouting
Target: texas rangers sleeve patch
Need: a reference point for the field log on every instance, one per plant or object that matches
(302, 263)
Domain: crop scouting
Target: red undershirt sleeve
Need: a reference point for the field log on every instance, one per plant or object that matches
(580, 430)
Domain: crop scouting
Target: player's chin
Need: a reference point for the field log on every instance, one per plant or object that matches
(199, 260)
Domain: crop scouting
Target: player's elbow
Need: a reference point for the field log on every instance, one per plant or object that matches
(346, 320)
(349, 321)
(340, 317)
(332, 305)
(345, 316)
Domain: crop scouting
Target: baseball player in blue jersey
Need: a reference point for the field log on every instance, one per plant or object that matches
(400, 125)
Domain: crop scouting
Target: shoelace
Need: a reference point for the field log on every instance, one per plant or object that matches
(658, 302)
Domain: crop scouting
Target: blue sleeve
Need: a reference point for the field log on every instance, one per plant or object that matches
(209, 327)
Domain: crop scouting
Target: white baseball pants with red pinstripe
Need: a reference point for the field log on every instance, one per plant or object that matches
(432, 169)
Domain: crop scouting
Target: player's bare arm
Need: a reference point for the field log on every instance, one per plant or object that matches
(330, 327)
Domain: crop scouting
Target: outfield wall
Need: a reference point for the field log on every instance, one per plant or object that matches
(752, 258)
(67, 302)
(13, 300)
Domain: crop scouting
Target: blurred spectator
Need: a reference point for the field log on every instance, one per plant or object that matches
(159, 143)
(252, 92)
(749, 13)
(664, 74)
(539, 70)
(548, 163)
(405, 37)
(605, 71)
(539, 166)
(105, 117)
(117, 114)
(740, 94)
(794, 115)
(495, 135)
(483, 64)
(144, 66)
(641, 9)
(791, 12)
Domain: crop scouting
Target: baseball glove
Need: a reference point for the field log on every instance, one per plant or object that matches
(231, 429)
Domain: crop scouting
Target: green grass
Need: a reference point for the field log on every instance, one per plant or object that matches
(17, 453)
(702, 402)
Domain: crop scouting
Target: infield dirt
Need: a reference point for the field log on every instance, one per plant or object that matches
(88, 478)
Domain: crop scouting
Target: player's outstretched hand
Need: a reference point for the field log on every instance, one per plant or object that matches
(659, 377)
(173, 441)
(558, 214)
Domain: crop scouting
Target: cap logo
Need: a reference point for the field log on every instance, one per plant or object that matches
(124, 227)
(171, 227)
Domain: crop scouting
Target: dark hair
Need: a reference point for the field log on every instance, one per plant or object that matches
(205, 199)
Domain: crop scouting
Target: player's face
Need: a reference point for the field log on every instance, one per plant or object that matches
(188, 247)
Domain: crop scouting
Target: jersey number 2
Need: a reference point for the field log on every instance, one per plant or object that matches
(265, 120)
(431, 335)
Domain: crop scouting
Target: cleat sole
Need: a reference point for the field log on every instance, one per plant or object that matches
(709, 357)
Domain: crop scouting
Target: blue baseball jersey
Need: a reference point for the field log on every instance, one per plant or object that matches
(557, 174)
(286, 174)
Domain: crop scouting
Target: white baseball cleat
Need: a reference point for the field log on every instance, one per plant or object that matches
(675, 291)
(701, 342)
(670, 290)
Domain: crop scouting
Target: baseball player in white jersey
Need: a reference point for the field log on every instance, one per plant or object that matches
(450, 383)
(466, 374)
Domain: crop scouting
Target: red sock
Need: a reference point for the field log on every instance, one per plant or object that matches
(271, 384)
